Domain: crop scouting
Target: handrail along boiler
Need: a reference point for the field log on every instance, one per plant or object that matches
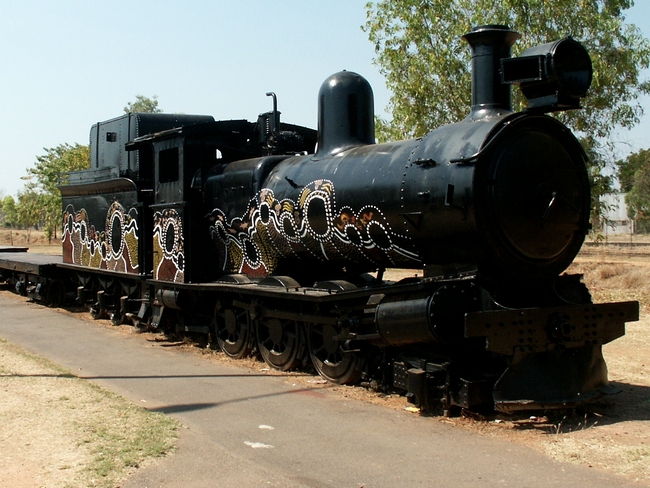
(262, 235)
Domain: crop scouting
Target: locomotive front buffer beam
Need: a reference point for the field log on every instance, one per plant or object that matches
(523, 359)
(555, 353)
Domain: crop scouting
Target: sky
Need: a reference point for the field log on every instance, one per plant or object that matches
(71, 63)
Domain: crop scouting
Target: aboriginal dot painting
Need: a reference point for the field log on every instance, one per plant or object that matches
(113, 246)
(168, 246)
(312, 225)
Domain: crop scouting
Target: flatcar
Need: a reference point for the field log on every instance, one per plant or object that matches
(274, 239)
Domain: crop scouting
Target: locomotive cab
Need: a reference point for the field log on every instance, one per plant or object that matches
(192, 166)
(180, 156)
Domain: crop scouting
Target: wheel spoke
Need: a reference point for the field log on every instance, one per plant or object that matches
(280, 342)
(233, 332)
(329, 359)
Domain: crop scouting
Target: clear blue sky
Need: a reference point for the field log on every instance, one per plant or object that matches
(70, 63)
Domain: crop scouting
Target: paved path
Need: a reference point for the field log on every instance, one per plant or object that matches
(318, 439)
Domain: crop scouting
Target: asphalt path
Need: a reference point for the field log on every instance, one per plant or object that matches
(247, 429)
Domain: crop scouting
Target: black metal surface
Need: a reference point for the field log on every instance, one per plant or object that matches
(378, 205)
(329, 357)
(405, 322)
(103, 272)
(281, 343)
(103, 227)
(563, 75)
(234, 331)
(108, 139)
(13, 249)
(98, 187)
(542, 329)
(561, 378)
(31, 263)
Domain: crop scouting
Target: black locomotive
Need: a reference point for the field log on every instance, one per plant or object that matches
(263, 234)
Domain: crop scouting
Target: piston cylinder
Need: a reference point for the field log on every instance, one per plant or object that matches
(171, 299)
(405, 322)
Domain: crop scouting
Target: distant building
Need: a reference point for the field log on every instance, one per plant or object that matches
(616, 220)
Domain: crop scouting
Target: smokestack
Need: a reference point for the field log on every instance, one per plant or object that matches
(489, 44)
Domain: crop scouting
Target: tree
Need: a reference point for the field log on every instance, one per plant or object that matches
(638, 199)
(627, 168)
(9, 211)
(601, 183)
(634, 178)
(9, 215)
(143, 104)
(30, 210)
(44, 178)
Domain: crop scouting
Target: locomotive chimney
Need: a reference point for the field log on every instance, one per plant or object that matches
(489, 44)
(346, 114)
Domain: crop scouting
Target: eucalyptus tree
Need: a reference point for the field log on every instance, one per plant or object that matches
(41, 197)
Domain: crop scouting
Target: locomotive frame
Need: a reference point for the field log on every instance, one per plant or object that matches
(262, 235)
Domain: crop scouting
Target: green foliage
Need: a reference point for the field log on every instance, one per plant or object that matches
(638, 198)
(29, 211)
(40, 201)
(122, 437)
(52, 166)
(627, 168)
(143, 104)
(426, 63)
(634, 178)
(600, 182)
(9, 211)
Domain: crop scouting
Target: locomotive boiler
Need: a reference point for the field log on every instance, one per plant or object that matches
(274, 239)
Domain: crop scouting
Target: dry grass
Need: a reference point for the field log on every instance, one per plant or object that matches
(604, 453)
(36, 241)
(12, 237)
(613, 281)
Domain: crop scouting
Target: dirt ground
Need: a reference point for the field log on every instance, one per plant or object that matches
(61, 431)
(612, 434)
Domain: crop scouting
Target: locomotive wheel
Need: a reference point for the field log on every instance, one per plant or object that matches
(98, 309)
(280, 342)
(332, 362)
(119, 315)
(98, 313)
(571, 290)
(55, 296)
(233, 330)
(117, 318)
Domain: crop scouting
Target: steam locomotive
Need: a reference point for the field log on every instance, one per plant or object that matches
(266, 235)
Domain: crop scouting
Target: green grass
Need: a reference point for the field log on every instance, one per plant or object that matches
(123, 437)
